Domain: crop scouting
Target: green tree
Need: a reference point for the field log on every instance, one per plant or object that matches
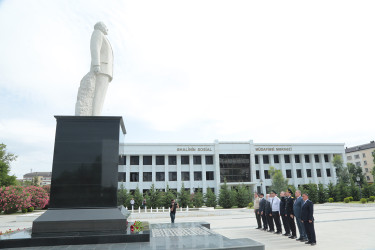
(153, 197)
(356, 171)
(354, 191)
(138, 198)
(342, 191)
(184, 197)
(341, 171)
(242, 196)
(312, 190)
(331, 191)
(279, 183)
(168, 197)
(35, 181)
(123, 197)
(226, 199)
(368, 190)
(198, 198)
(373, 169)
(322, 194)
(210, 198)
(5, 161)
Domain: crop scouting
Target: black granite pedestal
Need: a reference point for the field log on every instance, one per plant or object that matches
(83, 202)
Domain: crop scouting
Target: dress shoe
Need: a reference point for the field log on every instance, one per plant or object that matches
(293, 237)
(308, 242)
(258, 228)
(277, 233)
(300, 239)
(286, 234)
(264, 229)
(271, 231)
(313, 244)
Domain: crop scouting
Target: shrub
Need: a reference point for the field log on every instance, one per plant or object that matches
(363, 200)
(39, 196)
(350, 198)
(210, 198)
(30, 209)
(14, 198)
(250, 205)
(372, 198)
(24, 210)
(367, 199)
(330, 200)
(347, 200)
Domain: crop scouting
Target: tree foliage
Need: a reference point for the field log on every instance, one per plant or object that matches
(242, 196)
(210, 198)
(356, 171)
(123, 197)
(184, 197)
(138, 198)
(279, 183)
(226, 199)
(341, 171)
(198, 198)
(5, 161)
(153, 197)
(168, 197)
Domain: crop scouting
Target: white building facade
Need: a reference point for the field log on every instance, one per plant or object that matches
(206, 165)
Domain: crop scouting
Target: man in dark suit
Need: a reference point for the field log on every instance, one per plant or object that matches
(262, 211)
(269, 214)
(290, 213)
(307, 217)
(297, 207)
(283, 213)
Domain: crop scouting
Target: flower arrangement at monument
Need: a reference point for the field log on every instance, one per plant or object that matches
(136, 227)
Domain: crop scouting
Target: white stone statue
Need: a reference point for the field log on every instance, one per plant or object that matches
(93, 87)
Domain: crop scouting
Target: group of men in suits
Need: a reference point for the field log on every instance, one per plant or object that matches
(269, 209)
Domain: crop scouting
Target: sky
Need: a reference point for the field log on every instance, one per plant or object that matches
(191, 71)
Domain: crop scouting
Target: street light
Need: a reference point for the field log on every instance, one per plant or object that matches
(359, 184)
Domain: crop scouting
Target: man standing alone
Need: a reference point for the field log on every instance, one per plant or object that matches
(297, 207)
(275, 204)
(173, 208)
(256, 210)
(307, 217)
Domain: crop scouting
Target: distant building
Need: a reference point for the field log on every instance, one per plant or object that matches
(362, 156)
(44, 178)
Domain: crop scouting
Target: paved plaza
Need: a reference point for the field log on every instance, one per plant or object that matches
(339, 226)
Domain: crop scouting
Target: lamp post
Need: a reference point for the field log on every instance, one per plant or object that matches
(359, 184)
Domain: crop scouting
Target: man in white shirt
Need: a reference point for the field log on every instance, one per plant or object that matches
(132, 203)
(275, 204)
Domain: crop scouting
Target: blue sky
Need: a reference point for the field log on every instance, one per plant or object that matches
(191, 71)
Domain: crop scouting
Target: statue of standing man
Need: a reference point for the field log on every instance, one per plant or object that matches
(93, 87)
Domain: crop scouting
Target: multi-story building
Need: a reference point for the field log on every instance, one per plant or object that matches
(207, 165)
(44, 178)
(362, 156)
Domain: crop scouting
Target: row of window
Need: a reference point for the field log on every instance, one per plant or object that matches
(160, 176)
(349, 157)
(358, 163)
(297, 158)
(195, 190)
(288, 173)
(172, 160)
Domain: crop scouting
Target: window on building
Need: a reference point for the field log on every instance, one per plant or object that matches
(160, 160)
(121, 177)
(210, 175)
(276, 159)
(299, 173)
(367, 177)
(266, 174)
(308, 172)
(319, 172)
(364, 155)
(366, 170)
(297, 159)
(256, 159)
(257, 174)
(134, 176)
(328, 172)
(266, 159)
(122, 160)
(209, 160)
(147, 160)
(172, 176)
(134, 160)
(234, 167)
(358, 164)
(185, 176)
(307, 158)
(356, 156)
(184, 160)
(316, 158)
(197, 159)
(198, 175)
(349, 158)
(160, 176)
(326, 158)
(288, 173)
(287, 158)
(172, 160)
(147, 176)
(365, 163)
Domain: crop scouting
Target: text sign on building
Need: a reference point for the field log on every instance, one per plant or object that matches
(274, 148)
(194, 149)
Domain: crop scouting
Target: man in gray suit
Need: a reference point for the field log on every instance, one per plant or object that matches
(297, 208)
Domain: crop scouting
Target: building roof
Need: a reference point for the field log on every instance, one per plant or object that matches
(44, 174)
(360, 147)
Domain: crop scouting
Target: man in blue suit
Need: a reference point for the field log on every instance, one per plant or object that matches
(297, 207)
(262, 211)
(307, 217)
